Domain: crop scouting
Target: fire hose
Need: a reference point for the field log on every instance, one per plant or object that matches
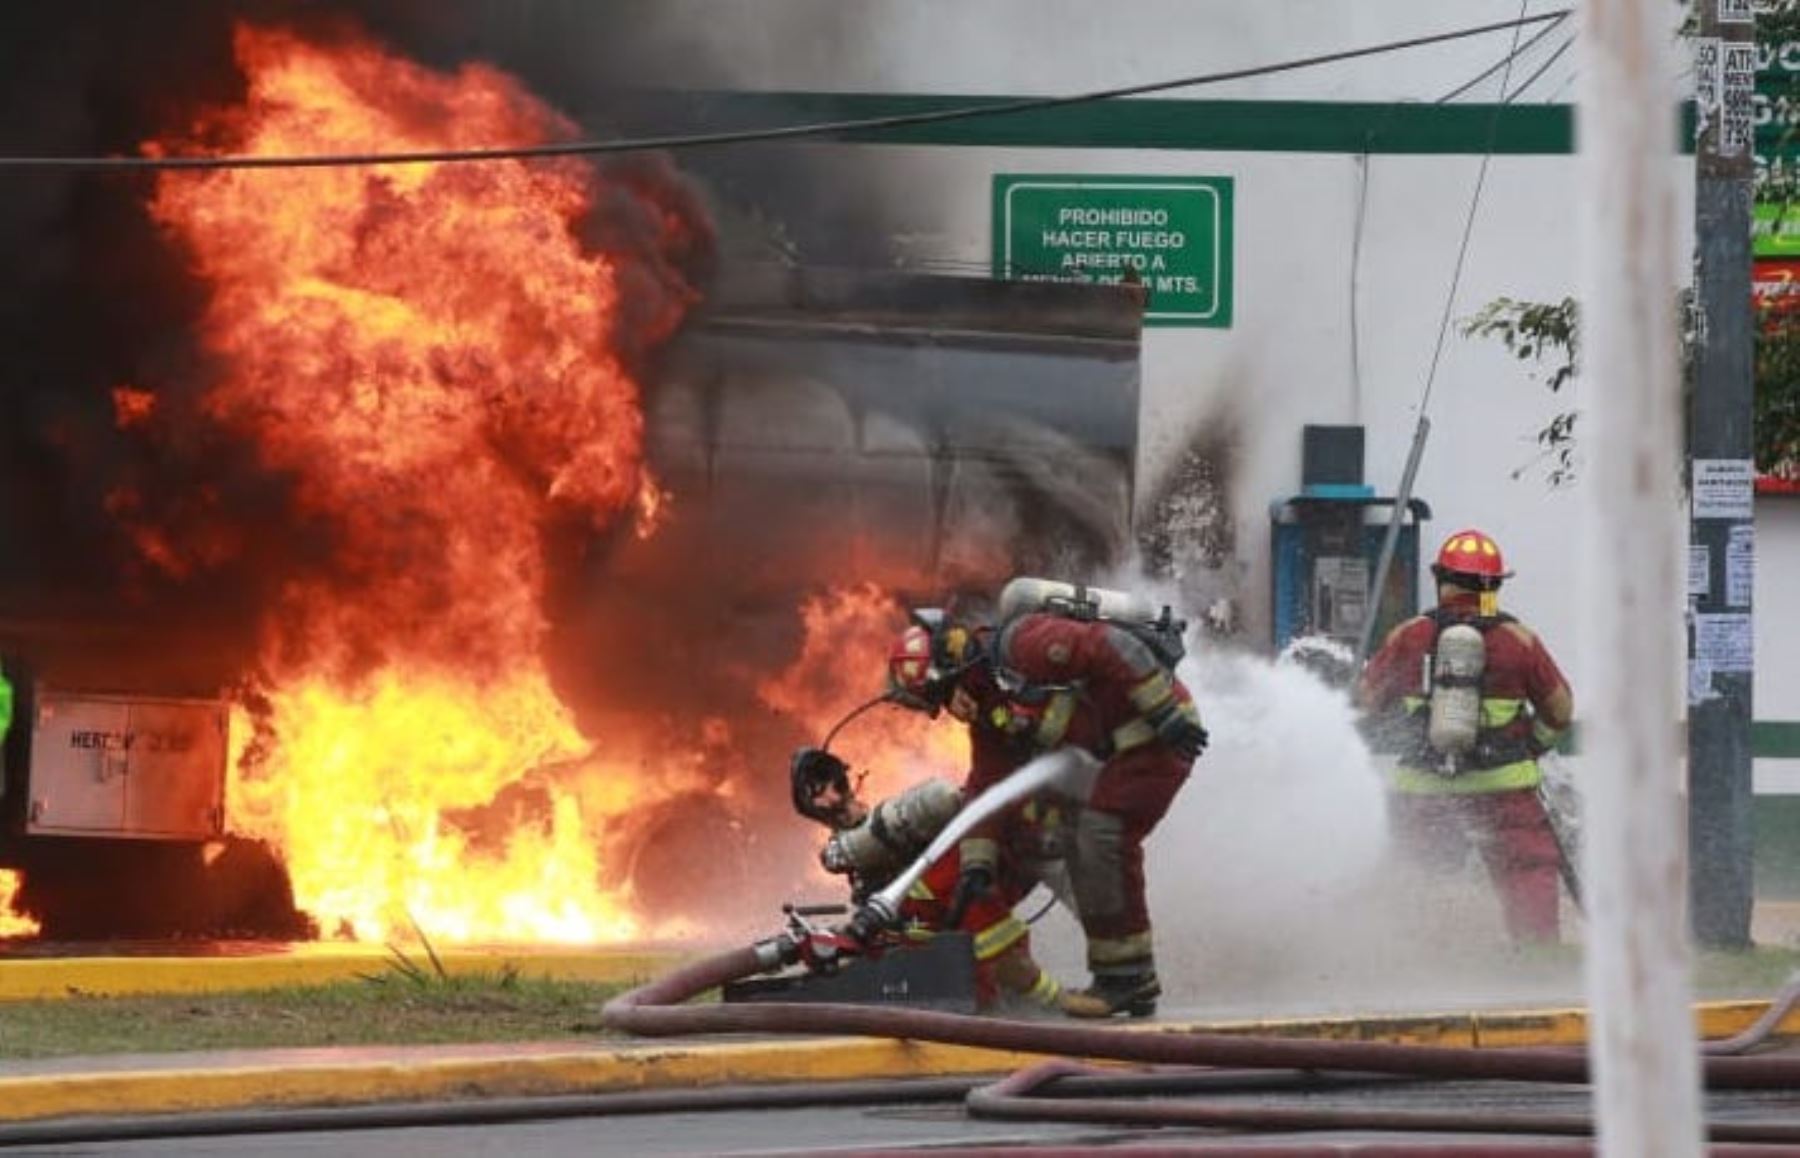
(659, 1009)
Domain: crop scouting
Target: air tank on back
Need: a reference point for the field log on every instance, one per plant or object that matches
(1456, 670)
(1026, 594)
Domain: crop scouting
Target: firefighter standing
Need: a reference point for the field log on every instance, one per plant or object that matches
(1044, 681)
(1468, 740)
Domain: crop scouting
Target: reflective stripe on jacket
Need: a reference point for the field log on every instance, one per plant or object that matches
(1498, 715)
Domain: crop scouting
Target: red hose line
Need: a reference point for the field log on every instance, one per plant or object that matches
(655, 1010)
(1015, 1098)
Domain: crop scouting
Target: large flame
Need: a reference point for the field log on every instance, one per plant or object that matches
(430, 353)
(12, 923)
(842, 664)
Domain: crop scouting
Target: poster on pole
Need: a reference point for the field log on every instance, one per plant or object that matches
(1740, 565)
(1724, 488)
(1737, 98)
(1699, 571)
(1724, 642)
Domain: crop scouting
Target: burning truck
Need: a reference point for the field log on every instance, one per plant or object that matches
(480, 548)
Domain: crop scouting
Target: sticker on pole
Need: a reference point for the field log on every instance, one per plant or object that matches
(1724, 488)
(1171, 235)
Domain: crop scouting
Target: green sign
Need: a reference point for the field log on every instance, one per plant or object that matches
(1775, 230)
(1171, 235)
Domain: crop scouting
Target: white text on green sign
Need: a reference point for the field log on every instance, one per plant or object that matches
(1173, 236)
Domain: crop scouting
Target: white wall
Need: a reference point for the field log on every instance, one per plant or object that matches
(1777, 685)
(1059, 46)
(1286, 359)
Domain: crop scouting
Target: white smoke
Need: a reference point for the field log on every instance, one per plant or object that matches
(1275, 840)
(1274, 887)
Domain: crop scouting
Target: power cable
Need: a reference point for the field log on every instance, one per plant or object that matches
(1504, 62)
(1514, 95)
(1462, 251)
(1403, 494)
(778, 133)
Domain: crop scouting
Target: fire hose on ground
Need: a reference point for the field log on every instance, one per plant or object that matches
(659, 1009)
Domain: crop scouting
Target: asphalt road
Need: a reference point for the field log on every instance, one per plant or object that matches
(839, 1130)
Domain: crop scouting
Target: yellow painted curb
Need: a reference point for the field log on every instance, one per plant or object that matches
(632, 1068)
(38, 979)
(638, 1067)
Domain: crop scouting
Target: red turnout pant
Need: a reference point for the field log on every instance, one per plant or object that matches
(1512, 833)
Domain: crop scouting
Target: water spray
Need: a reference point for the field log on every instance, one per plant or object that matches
(1070, 769)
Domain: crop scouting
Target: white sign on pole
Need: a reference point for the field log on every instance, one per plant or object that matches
(1736, 11)
(1708, 85)
(1699, 579)
(1737, 99)
(1740, 565)
(1724, 643)
(1724, 488)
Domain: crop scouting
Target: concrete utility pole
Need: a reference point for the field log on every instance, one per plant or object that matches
(1721, 535)
(1641, 1034)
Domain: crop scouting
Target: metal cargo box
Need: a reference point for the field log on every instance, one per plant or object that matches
(126, 766)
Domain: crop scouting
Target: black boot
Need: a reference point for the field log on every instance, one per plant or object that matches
(1111, 994)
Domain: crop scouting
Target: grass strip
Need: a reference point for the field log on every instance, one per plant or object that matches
(393, 1008)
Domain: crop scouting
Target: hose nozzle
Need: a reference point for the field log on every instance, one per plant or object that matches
(876, 915)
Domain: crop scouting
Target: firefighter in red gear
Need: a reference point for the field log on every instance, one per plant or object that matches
(872, 845)
(1043, 681)
(1453, 785)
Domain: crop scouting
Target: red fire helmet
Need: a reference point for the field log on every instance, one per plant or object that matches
(910, 667)
(1471, 555)
(926, 661)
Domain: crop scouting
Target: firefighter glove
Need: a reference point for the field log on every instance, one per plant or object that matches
(1176, 726)
(976, 881)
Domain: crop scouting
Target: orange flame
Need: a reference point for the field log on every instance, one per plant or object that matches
(428, 352)
(13, 924)
(843, 664)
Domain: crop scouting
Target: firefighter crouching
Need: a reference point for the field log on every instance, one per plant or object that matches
(871, 845)
(1061, 670)
(1469, 698)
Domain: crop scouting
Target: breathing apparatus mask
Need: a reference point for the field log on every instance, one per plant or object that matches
(928, 659)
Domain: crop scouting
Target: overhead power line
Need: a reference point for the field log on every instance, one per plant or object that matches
(747, 136)
(1550, 60)
(1518, 50)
